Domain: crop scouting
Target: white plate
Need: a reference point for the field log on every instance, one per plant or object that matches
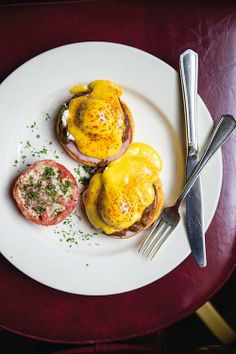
(96, 265)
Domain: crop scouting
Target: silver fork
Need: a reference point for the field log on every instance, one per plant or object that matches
(169, 218)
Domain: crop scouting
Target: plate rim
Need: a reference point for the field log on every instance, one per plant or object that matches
(50, 51)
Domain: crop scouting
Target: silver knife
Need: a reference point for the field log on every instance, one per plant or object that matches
(194, 210)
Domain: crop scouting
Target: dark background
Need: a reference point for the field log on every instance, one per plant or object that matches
(184, 336)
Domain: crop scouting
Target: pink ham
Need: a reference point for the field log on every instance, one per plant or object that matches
(95, 161)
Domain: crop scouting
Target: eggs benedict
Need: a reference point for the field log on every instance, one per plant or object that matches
(95, 126)
(127, 196)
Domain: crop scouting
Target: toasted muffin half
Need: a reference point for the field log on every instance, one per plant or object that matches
(126, 197)
(95, 127)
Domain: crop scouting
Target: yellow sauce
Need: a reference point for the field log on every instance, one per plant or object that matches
(96, 121)
(117, 198)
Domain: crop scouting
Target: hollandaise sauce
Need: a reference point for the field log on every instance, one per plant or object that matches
(96, 119)
(117, 198)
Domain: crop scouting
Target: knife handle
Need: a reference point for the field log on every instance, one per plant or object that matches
(188, 64)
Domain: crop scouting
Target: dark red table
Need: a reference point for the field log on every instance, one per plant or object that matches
(164, 29)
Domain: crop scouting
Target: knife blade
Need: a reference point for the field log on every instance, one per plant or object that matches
(194, 204)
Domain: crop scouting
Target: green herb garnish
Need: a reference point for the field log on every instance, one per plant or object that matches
(33, 125)
(88, 169)
(77, 171)
(48, 173)
(48, 116)
(51, 192)
(41, 209)
(83, 180)
(34, 195)
(65, 186)
(57, 212)
(43, 151)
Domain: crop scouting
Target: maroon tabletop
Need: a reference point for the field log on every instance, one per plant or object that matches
(164, 30)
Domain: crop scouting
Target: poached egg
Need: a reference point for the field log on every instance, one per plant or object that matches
(96, 119)
(117, 197)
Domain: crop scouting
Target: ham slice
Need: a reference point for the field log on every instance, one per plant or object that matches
(94, 161)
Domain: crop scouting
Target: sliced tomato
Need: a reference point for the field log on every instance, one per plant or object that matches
(46, 192)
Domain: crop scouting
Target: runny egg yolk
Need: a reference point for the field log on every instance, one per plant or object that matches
(117, 198)
(96, 120)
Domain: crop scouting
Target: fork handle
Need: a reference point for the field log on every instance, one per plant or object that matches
(219, 135)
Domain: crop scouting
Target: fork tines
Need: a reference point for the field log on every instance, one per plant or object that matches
(155, 239)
